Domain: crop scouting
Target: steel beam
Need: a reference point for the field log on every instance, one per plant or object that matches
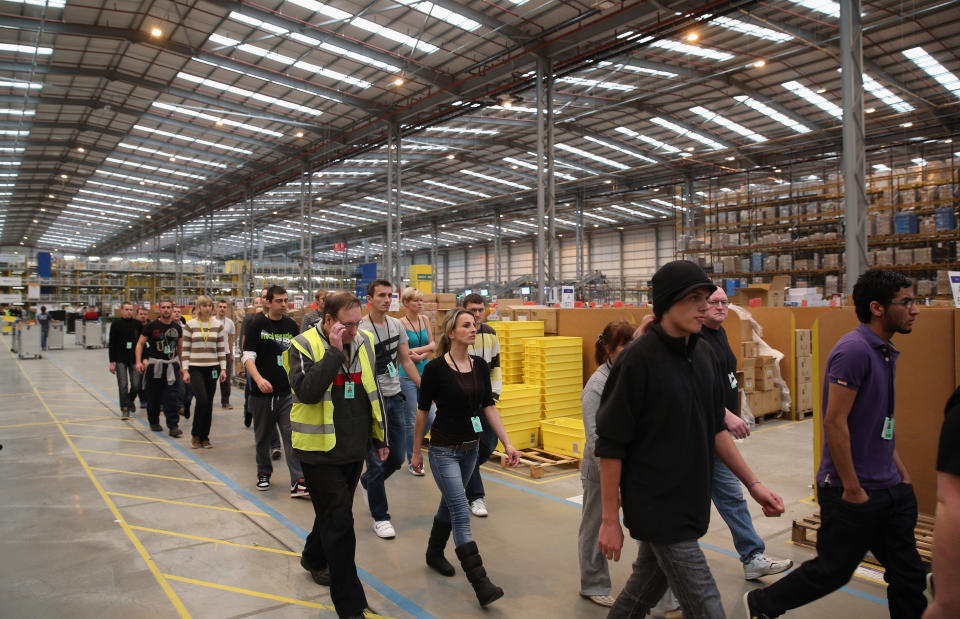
(853, 161)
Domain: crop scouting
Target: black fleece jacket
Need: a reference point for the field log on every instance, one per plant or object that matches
(660, 412)
(717, 338)
(124, 333)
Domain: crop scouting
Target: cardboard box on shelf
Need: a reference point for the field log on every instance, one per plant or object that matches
(749, 349)
(764, 384)
(804, 366)
(770, 295)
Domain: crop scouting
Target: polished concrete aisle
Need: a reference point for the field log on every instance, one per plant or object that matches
(103, 518)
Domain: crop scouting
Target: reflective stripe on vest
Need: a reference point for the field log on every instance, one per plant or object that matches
(311, 425)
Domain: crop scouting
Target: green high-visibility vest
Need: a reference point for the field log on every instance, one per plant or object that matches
(311, 425)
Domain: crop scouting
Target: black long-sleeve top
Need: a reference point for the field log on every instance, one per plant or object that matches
(122, 343)
(717, 338)
(661, 410)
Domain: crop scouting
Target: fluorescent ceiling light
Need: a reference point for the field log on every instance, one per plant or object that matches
(15, 132)
(620, 149)
(141, 180)
(438, 12)
(494, 179)
(113, 196)
(426, 197)
(630, 211)
(579, 81)
(616, 165)
(823, 6)
(811, 97)
(515, 108)
(693, 135)
(651, 141)
(692, 50)
(600, 217)
(668, 204)
(727, 123)
(215, 119)
(25, 49)
(934, 69)
(50, 4)
(747, 28)
(13, 112)
(21, 85)
(144, 166)
(12, 149)
(243, 92)
(365, 24)
(145, 192)
(879, 167)
(635, 69)
(402, 205)
(773, 114)
(179, 158)
(187, 138)
(532, 166)
(463, 130)
(10, 163)
(445, 186)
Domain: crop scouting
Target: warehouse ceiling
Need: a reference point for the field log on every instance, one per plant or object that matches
(128, 131)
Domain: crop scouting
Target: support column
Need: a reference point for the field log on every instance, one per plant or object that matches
(388, 239)
(544, 173)
(434, 257)
(853, 158)
(579, 222)
(623, 283)
(497, 246)
(304, 226)
(248, 247)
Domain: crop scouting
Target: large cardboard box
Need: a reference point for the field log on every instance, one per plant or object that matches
(804, 366)
(765, 367)
(764, 383)
(446, 301)
(771, 400)
(429, 297)
(749, 366)
(770, 295)
(803, 348)
(747, 382)
(549, 317)
(749, 349)
(804, 396)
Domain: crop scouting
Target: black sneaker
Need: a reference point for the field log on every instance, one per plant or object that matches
(263, 481)
(751, 611)
(321, 577)
(299, 490)
(156, 427)
(125, 413)
(176, 432)
(247, 418)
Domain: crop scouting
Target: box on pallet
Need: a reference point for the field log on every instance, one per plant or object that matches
(749, 349)
(765, 367)
(803, 342)
(804, 396)
(804, 366)
(563, 436)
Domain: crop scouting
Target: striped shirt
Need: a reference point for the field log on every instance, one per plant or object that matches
(487, 347)
(203, 344)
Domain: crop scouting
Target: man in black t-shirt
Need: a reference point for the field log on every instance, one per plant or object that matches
(946, 535)
(158, 356)
(264, 341)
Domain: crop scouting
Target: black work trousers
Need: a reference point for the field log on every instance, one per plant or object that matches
(203, 380)
(884, 525)
(332, 543)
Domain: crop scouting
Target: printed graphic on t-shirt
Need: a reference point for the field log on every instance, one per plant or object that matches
(162, 340)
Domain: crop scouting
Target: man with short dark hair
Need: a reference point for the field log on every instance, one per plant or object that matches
(124, 334)
(316, 315)
(487, 346)
(866, 498)
(229, 334)
(392, 352)
(267, 337)
(660, 423)
(158, 353)
(142, 317)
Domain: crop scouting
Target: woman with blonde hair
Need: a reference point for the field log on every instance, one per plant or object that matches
(204, 363)
(459, 384)
(421, 345)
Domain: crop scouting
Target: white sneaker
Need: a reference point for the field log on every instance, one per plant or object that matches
(384, 529)
(478, 507)
(762, 565)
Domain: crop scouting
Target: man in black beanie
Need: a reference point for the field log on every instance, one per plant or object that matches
(659, 425)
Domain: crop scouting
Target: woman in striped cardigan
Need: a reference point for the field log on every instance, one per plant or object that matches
(204, 363)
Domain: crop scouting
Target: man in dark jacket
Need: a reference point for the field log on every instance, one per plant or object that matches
(660, 423)
(124, 333)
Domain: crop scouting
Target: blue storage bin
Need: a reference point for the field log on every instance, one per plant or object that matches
(907, 223)
(945, 219)
(756, 261)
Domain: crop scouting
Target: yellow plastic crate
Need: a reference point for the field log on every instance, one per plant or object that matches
(566, 411)
(522, 435)
(556, 342)
(575, 364)
(553, 377)
(568, 387)
(513, 401)
(561, 400)
(564, 435)
(521, 418)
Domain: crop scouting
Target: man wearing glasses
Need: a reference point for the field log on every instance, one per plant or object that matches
(866, 497)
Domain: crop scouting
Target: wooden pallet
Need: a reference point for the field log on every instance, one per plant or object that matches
(767, 417)
(805, 534)
(539, 462)
(800, 415)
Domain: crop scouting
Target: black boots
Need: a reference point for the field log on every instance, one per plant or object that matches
(472, 565)
(439, 535)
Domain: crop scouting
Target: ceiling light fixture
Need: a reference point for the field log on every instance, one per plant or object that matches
(156, 32)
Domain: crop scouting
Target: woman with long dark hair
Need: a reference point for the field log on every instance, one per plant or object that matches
(459, 384)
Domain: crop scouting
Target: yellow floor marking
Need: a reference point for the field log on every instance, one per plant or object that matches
(155, 499)
(198, 481)
(212, 540)
(122, 440)
(15, 395)
(117, 453)
(81, 407)
(496, 469)
(53, 423)
(151, 565)
(810, 500)
(101, 426)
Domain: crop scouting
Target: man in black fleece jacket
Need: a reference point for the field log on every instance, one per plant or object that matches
(660, 422)
(124, 334)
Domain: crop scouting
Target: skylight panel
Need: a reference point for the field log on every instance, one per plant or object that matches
(187, 138)
(446, 186)
(736, 25)
(438, 12)
(616, 165)
(16, 112)
(811, 97)
(114, 196)
(15, 132)
(134, 164)
(727, 123)
(172, 156)
(693, 135)
(518, 108)
(883, 93)
(50, 4)
(827, 7)
(635, 69)
(670, 205)
(773, 114)
(25, 49)
(691, 50)
(630, 211)
(402, 205)
(243, 92)
(20, 85)
(533, 166)
(879, 167)
(651, 141)
(934, 69)
(599, 217)
(141, 180)
(365, 24)
(220, 120)
(618, 148)
(494, 179)
(471, 130)
(579, 81)
(426, 197)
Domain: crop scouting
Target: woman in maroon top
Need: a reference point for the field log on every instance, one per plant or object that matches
(459, 384)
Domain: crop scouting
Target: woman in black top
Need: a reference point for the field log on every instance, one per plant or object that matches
(459, 384)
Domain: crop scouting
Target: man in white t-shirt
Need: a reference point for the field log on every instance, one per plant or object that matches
(229, 334)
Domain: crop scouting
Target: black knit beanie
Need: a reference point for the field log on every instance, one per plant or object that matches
(675, 280)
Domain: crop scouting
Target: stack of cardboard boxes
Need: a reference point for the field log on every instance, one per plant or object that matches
(803, 397)
(759, 372)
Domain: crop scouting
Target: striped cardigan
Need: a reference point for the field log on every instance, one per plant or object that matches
(207, 353)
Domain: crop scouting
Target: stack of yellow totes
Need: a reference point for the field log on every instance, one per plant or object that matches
(511, 334)
(564, 435)
(519, 408)
(556, 364)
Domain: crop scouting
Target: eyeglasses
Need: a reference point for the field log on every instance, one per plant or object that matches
(351, 326)
(907, 303)
(718, 303)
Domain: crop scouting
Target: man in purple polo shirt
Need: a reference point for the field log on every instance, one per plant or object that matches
(866, 498)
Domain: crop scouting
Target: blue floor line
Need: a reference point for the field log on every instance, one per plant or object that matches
(394, 596)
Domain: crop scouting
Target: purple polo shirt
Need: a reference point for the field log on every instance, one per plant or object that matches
(863, 362)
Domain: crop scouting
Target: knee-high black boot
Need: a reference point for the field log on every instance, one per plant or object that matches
(472, 565)
(439, 535)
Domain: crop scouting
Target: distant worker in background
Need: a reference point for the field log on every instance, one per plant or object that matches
(43, 319)
(229, 335)
(311, 318)
(124, 335)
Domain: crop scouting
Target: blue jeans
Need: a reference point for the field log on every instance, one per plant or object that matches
(488, 442)
(377, 472)
(451, 468)
(410, 393)
(728, 498)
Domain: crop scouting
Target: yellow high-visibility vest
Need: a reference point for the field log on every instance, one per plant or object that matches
(311, 425)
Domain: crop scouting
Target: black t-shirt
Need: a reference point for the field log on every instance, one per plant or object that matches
(269, 338)
(717, 338)
(162, 339)
(458, 396)
(948, 457)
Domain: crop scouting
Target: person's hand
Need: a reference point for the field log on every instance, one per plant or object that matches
(416, 461)
(264, 385)
(223, 376)
(415, 356)
(858, 495)
(768, 499)
(384, 452)
(141, 367)
(513, 456)
(738, 427)
(185, 374)
(644, 325)
(610, 540)
(113, 368)
(336, 335)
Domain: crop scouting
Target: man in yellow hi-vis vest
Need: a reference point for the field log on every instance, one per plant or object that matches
(337, 413)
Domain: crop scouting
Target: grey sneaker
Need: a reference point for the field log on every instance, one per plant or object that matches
(762, 565)
(478, 507)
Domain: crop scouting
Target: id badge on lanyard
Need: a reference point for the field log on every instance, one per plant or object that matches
(348, 390)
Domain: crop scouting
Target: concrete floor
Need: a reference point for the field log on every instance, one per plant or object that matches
(104, 518)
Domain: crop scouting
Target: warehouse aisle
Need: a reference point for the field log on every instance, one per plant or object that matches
(102, 517)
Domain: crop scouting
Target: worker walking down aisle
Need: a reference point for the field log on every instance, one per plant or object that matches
(204, 364)
(124, 334)
(158, 356)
